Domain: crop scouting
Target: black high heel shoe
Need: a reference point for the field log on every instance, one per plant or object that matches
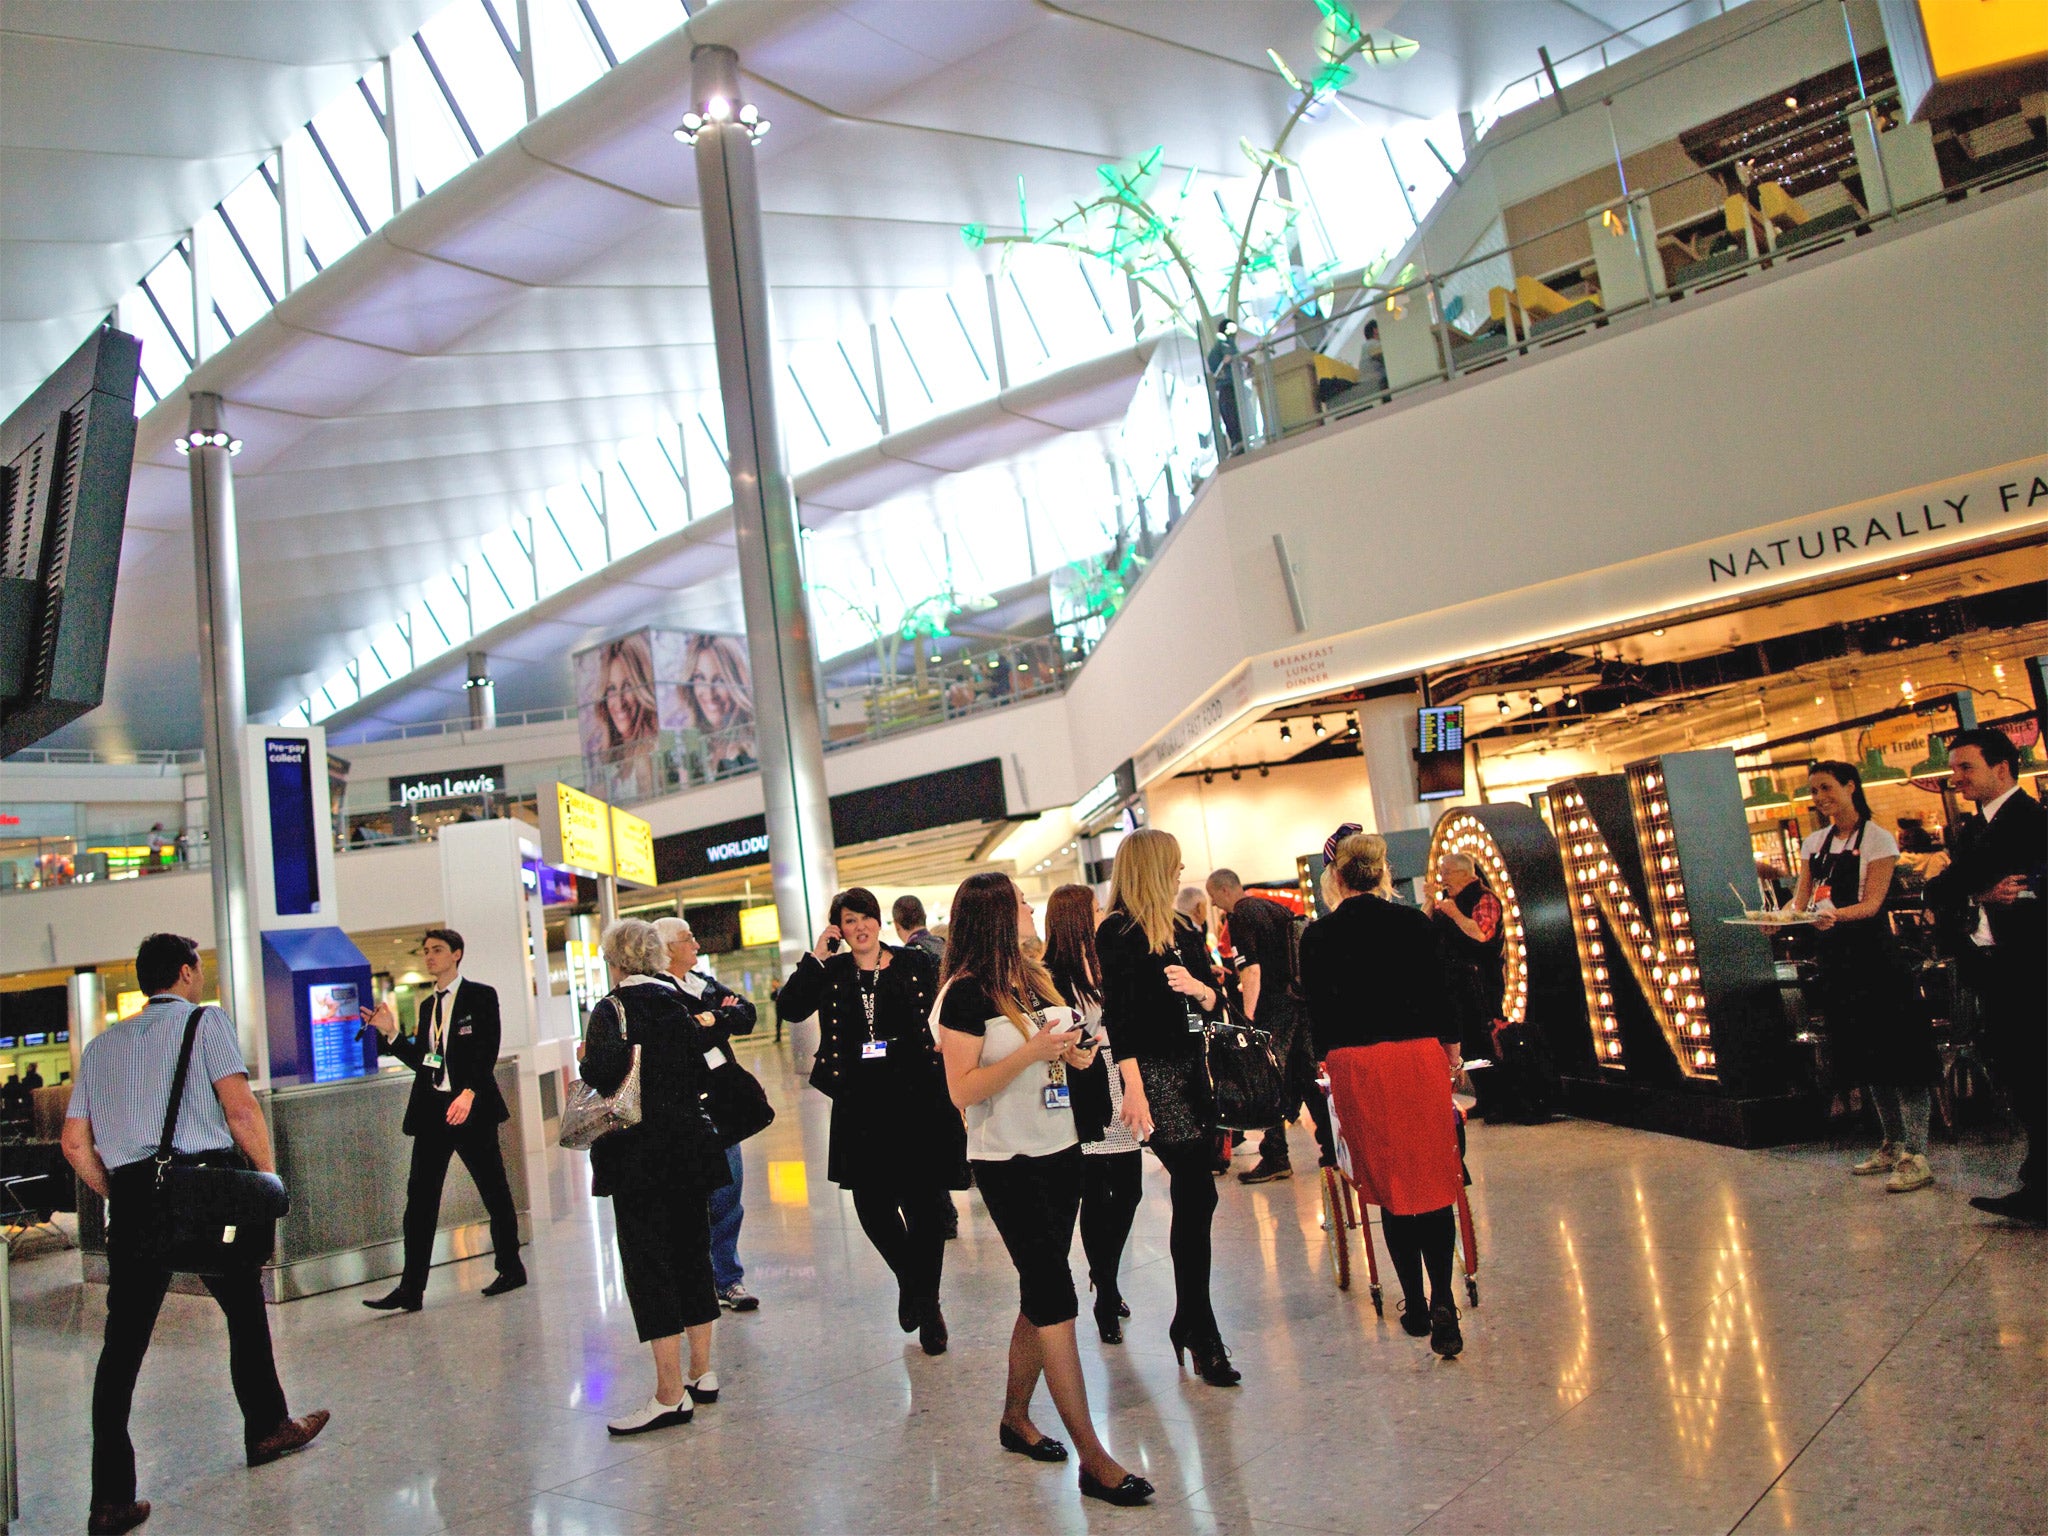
(1132, 1490)
(1109, 1314)
(1212, 1360)
(1044, 1448)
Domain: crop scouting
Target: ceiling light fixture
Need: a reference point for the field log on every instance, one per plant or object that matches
(1317, 726)
(1535, 704)
(1236, 774)
(1265, 772)
(193, 440)
(1505, 706)
(1657, 632)
(1286, 731)
(719, 110)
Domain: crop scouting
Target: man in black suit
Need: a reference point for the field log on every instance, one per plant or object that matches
(1991, 901)
(455, 1111)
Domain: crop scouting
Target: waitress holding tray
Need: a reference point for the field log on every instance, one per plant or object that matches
(1876, 1033)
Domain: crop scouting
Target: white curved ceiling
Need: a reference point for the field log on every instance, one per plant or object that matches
(498, 337)
(122, 121)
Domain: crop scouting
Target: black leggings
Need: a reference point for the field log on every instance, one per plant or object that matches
(1416, 1242)
(1193, 1192)
(908, 1229)
(1112, 1187)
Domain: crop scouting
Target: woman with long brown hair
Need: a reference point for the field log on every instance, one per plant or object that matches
(1156, 1004)
(1112, 1170)
(1009, 1046)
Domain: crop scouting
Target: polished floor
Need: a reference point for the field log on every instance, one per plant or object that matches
(1671, 1337)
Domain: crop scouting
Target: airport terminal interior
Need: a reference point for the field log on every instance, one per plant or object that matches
(484, 480)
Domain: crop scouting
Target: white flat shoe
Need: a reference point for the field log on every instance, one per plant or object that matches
(656, 1415)
(705, 1388)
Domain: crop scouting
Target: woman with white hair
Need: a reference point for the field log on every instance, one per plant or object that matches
(659, 1172)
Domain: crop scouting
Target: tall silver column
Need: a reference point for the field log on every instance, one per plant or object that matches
(791, 748)
(223, 702)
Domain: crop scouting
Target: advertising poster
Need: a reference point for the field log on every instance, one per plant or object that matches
(660, 709)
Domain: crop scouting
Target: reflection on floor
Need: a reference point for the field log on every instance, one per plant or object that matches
(1672, 1337)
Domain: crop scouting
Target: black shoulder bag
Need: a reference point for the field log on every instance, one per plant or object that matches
(215, 1214)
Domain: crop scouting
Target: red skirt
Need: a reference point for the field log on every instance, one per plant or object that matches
(1396, 1120)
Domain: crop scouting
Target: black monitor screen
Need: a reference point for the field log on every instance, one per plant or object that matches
(1439, 775)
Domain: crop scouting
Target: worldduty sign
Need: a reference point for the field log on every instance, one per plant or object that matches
(417, 788)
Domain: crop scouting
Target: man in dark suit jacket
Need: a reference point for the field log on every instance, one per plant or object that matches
(1993, 906)
(455, 1111)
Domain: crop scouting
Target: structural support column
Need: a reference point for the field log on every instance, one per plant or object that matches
(790, 742)
(1386, 738)
(223, 701)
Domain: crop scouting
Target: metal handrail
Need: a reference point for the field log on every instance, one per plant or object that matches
(79, 757)
(1251, 368)
(10, 1460)
(1540, 76)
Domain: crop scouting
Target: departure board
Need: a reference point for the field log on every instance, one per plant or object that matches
(1441, 728)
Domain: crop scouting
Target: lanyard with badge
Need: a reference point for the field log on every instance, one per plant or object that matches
(872, 1048)
(437, 1037)
(1058, 1093)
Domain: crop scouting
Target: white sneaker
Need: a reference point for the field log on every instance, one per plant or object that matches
(656, 1415)
(1911, 1173)
(1883, 1160)
(705, 1388)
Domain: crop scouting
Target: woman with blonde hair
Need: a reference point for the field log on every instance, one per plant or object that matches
(1373, 977)
(1156, 1003)
(660, 1172)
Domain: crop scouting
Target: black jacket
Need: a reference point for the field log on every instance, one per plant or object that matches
(1980, 855)
(472, 1061)
(1147, 1020)
(731, 1014)
(893, 1123)
(1372, 971)
(674, 1143)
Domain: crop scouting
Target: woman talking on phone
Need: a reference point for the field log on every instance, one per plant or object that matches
(1876, 1036)
(1009, 1044)
(1156, 1004)
(896, 1144)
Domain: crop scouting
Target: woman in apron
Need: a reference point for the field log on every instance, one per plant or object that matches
(1877, 1036)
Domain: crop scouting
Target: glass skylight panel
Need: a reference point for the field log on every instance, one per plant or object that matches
(252, 207)
(480, 73)
(630, 25)
(566, 57)
(234, 285)
(433, 140)
(356, 142)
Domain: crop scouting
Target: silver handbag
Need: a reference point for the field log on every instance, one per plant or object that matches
(588, 1116)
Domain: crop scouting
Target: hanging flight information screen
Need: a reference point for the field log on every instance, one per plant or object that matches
(1441, 728)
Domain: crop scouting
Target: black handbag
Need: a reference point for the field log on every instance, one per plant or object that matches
(1244, 1079)
(736, 1102)
(215, 1214)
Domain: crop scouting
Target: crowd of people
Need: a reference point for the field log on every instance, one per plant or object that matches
(1037, 1069)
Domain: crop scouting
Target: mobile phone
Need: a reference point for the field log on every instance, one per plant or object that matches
(832, 946)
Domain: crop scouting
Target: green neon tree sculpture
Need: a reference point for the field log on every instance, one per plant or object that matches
(1134, 226)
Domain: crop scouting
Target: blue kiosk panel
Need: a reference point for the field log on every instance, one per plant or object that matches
(315, 982)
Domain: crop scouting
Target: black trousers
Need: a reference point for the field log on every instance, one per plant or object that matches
(2008, 988)
(477, 1146)
(1192, 1190)
(907, 1225)
(136, 1283)
(665, 1257)
(1112, 1188)
(1033, 1202)
(1425, 1241)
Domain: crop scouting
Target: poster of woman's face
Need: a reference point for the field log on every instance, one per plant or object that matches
(707, 688)
(615, 708)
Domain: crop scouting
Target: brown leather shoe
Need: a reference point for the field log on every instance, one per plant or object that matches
(286, 1438)
(113, 1519)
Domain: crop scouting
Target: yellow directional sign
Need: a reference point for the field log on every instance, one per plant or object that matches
(758, 926)
(632, 849)
(576, 831)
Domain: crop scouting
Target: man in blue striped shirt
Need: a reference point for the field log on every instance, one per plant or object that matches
(112, 1130)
